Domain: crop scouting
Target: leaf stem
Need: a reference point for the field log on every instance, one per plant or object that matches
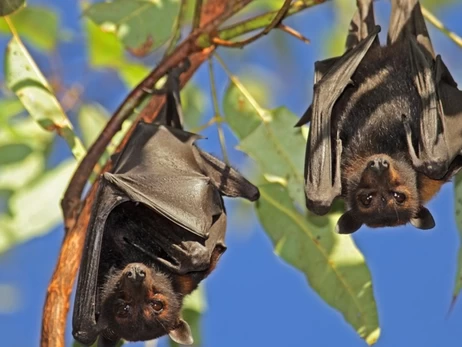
(439, 25)
(221, 135)
(177, 31)
(197, 15)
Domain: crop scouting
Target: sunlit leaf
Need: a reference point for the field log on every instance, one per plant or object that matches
(32, 144)
(8, 109)
(333, 265)
(9, 6)
(278, 148)
(141, 25)
(25, 79)
(106, 51)
(38, 25)
(92, 119)
(239, 113)
(194, 102)
(35, 208)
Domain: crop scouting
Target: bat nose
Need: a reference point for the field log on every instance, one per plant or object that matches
(136, 274)
(379, 165)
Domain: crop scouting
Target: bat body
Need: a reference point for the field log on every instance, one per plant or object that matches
(386, 124)
(157, 229)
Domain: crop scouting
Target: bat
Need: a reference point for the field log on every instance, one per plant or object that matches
(156, 230)
(386, 124)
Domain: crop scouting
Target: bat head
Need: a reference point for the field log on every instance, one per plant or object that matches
(384, 193)
(139, 303)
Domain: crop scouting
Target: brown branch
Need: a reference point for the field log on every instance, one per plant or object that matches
(59, 291)
(274, 23)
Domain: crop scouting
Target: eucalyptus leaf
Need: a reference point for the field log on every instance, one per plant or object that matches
(141, 25)
(92, 119)
(38, 25)
(35, 208)
(332, 264)
(24, 78)
(105, 50)
(7, 7)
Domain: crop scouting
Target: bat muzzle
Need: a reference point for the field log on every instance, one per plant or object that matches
(136, 273)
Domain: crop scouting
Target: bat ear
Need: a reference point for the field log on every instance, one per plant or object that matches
(423, 220)
(182, 334)
(348, 223)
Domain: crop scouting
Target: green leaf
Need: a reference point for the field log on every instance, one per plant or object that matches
(25, 164)
(25, 79)
(35, 208)
(194, 101)
(239, 112)
(333, 265)
(38, 25)
(458, 208)
(8, 109)
(9, 6)
(141, 25)
(92, 120)
(278, 148)
(105, 51)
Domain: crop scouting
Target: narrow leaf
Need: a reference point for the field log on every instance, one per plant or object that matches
(333, 265)
(9, 6)
(140, 25)
(25, 79)
(38, 25)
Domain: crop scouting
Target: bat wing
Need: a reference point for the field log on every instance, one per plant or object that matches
(322, 182)
(84, 326)
(159, 169)
(440, 127)
(361, 25)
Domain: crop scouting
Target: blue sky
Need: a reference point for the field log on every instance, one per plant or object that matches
(254, 298)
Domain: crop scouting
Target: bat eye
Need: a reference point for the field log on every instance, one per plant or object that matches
(366, 199)
(399, 197)
(124, 311)
(157, 306)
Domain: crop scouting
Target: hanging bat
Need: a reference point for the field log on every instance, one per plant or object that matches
(156, 231)
(386, 124)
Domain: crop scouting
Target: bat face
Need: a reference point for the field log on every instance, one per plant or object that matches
(139, 303)
(386, 192)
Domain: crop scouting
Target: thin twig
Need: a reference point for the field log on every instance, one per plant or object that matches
(293, 32)
(197, 15)
(211, 122)
(177, 31)
(276, 20)
(221, 135)
(437, 23)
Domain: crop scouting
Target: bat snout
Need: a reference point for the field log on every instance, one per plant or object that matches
(379, 165)
(135, 273)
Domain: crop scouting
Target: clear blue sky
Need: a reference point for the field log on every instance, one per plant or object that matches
(254, 298)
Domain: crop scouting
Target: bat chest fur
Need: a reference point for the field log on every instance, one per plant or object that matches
(369, 113)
